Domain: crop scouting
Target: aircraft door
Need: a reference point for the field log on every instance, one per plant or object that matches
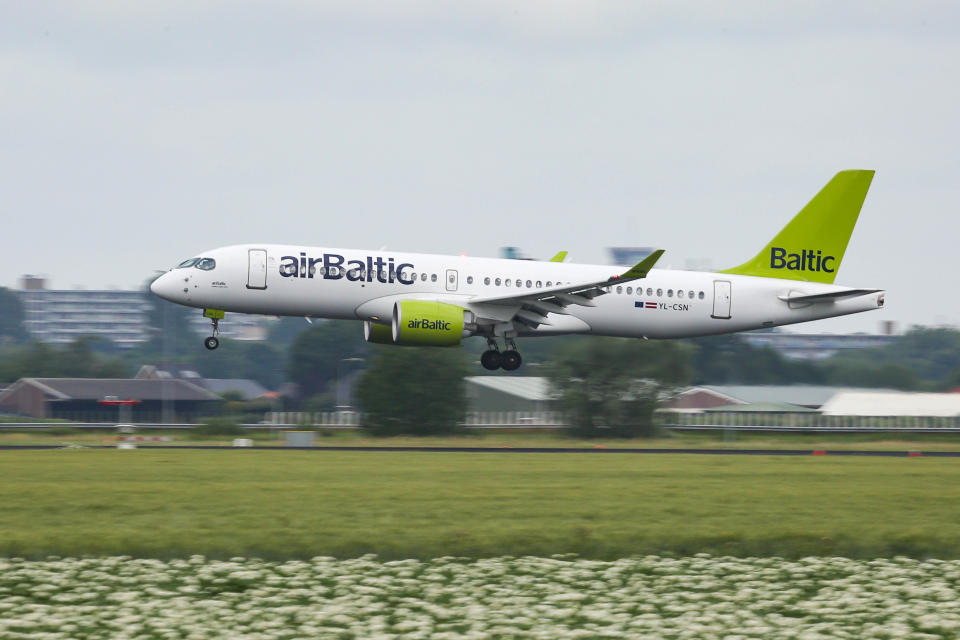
(257, 269)
(451, 279)
(721, 300)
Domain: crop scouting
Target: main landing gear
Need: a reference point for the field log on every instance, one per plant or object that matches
(212, 342)
(493, 359)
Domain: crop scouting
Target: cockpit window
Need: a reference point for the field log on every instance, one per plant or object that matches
(188, 263)
(207, 264)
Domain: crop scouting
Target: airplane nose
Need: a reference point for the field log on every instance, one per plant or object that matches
(165, 287)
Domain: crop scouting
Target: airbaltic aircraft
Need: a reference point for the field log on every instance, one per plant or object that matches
(438, 300)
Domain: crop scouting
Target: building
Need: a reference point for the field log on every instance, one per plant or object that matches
(741, 397)
(509, 393)
(94, 399)
(880, 403)
(60, 316)
(245, 389)
(814, 346)
(628, 255)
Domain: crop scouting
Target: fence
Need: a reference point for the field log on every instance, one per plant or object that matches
(515, 419)
(671, 420)
(473, 419)
(343, 419)
(806, 421)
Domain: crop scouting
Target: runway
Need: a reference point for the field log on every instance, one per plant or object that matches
(594, 450)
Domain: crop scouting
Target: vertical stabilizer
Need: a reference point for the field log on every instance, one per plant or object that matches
(812, 245)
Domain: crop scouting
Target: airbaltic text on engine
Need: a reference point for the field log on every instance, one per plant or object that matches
(333, 268)
(806, 260)
(433, 325)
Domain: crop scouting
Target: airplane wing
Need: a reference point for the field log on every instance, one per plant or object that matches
(533, 307)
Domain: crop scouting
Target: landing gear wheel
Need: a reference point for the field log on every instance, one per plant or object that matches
(510, 360)
(490, 360)
(211, 343)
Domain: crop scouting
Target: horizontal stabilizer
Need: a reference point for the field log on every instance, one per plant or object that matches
(828, 297)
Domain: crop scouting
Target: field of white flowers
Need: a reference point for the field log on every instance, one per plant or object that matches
(698, 597)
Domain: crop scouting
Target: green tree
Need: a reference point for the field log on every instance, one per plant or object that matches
(170, 334)
(413, 391)
(282, 332)
(610, 386)
(259, 361)
(74, 360)
(12, 330)
(952, 381)
(315, 357)
(731, 360)
(930, 355)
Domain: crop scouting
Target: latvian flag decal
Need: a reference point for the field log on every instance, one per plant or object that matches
(645, 305)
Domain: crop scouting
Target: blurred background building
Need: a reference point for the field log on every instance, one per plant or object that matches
(60, 316)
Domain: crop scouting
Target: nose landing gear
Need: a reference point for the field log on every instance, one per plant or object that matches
(493, 359)
(213, 342)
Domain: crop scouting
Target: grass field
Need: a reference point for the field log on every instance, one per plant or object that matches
(519, 439)
(290, 504)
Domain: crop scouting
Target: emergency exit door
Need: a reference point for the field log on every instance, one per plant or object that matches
(257, 269)
(451, 279)
(721, 300)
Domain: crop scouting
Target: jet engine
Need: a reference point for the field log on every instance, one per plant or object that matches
(422, 323)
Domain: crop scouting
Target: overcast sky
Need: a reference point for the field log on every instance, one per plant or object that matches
(136, 134)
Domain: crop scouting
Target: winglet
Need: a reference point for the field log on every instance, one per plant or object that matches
(642, 268)
(560, 257)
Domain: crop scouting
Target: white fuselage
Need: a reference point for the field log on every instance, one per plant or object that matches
(351, 284)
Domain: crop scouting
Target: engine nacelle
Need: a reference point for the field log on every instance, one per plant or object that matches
(424, 323)
(377, 333)
(427, 323)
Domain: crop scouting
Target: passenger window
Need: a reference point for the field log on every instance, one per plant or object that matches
(423, 277)
(629, 291)
(548, 284)
(497, 282)
(700, 295)
(433, 277)
(619, 289)
(690, 294)
(669, 293)
(207, 264)
(649, 291)
(659, 293)
(680, 293)
(486, 281)
(519, 283)
(469, 279)
(529, 284)
(507, 282)
(539, 284)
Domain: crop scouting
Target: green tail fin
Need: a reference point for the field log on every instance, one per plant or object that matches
(811, 246)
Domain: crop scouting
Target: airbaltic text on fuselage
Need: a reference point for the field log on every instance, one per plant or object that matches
(806, 260)
(334, 267)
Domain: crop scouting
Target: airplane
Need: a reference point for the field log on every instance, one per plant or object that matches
(439, 300)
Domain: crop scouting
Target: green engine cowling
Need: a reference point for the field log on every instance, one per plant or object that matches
(377, 333)
(422, 323)
(427, 323)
